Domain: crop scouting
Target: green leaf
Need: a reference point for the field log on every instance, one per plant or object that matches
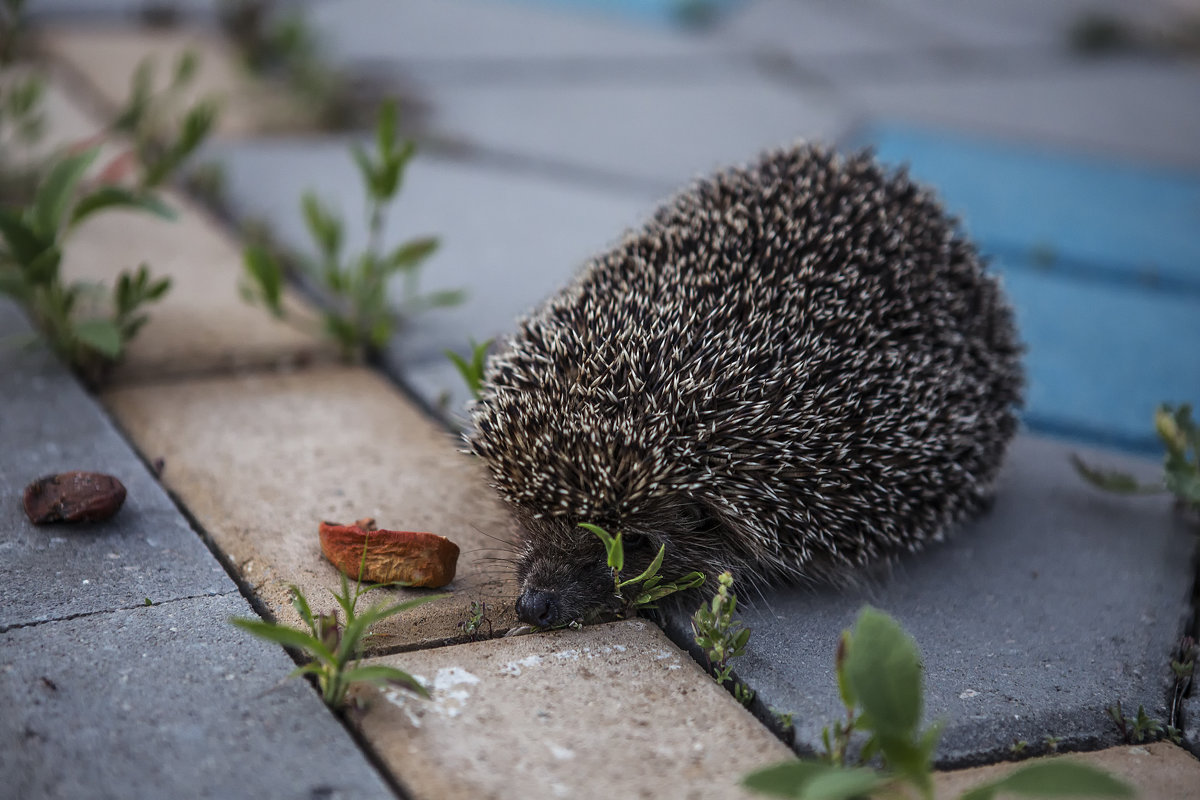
(267, 276)
(326, 229)
(43, 269)
(101, 335)
(22, 240)
(185, 68)
(410, 254)
(650, 570)
(1112, 480)
(385, 127)
(300, 603)
(1185, 485)
(839, 783)
(13, 285)
(1054, 778)
(441, 299)
(381, 674)
(366, 168)
(812, 780)
(288, 637)
(55, 192)
(883, 668)
(118, 197)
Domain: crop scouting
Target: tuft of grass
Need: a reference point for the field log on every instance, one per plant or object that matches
(85, 325)
(334, 646)
(643, 591)
(1181, 464)
(358, 317)
(879, 678)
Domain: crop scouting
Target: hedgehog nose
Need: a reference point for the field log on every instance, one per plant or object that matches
(537, 607)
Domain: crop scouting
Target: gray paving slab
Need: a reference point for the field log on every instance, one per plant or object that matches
(664, 133)
(1136, 109)
(1031, 620)
(48, 425)
(806, 28)
(166, 701)
(509, 238)
(1022, 23)
(491, 32)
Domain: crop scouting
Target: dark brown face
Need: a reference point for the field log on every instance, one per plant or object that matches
(564, 573)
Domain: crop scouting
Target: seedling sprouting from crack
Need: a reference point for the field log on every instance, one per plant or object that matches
(165, 133)
(722, 637)
(879, 680)
(358, 316)
(476, 618)
(643, 591)
(85, 325)
(1181, 465)
(333, 647)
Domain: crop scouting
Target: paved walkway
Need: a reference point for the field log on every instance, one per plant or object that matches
(546, 133)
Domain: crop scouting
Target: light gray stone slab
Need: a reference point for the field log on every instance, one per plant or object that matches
(1031, 620)
(168, 701)
(508, 238)
(664, 133)
(48, 424)
(489, 31)
(805, 29)
(1022, 23)
(1132, 109)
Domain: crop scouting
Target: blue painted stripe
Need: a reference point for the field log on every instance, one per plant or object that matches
(1118, 220)
(1101, 358)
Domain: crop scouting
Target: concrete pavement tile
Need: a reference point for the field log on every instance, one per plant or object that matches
(106, 58)
(610, 711)
(1136, 109)
(1031, 620)
(65, 121)
(1159, 770)
(668, 134)
(1022, 23)
(260, 460)
(202, 324)
(485, 31)
(169, 701)
(507, 237)
(49, 425)
(807, 28)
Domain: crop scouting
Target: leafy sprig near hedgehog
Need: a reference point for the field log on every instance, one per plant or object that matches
(1181, 464)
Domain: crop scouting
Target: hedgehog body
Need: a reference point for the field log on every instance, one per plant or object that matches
(795, 368)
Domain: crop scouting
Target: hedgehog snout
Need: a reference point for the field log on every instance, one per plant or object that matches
(539, 608)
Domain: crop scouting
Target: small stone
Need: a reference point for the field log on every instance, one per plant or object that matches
(73, 497)
(408, 557)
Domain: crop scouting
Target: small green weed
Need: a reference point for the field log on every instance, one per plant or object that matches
(472, 371)
(472, 624)
(164, 133)
(1141, 727)
(647, 588)
(334, 648)
(1181, 473)
(718, 634)
(360, 318)
(86, 329)
(880, 683)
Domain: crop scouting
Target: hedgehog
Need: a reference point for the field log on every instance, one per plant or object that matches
(794, 369)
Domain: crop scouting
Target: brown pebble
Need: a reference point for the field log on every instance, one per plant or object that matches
(415, 559)
(73, 497)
